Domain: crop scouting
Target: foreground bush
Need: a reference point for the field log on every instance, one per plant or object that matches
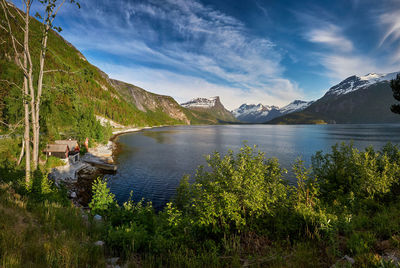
(237, 191)
(237, 211)
(348, 177)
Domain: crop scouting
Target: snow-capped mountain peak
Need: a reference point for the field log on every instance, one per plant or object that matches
(354, 83)
(201, 102)
(295, 106)
(251, 109)
(253, 113)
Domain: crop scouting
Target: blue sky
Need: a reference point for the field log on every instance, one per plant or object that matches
(253, 51)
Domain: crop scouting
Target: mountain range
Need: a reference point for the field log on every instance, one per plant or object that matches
(75, 97)
(251, 113)
(357, 99)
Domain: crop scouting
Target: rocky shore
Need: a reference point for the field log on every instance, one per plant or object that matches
(78, 177)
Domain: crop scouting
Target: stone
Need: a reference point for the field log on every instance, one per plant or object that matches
(344, 262)
(73, 195)
(349, 260)
(113, 261)
(99, 243)
(97, 217)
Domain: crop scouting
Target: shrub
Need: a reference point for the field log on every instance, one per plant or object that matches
(348, 176)
(239, 189)
(54, 162)
(102, 198)
(307, 205)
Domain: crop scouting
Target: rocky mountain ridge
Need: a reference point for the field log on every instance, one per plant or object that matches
(357, 99)
(212, 107)
(251, 113)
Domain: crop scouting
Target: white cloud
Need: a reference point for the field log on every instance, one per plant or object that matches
(184, 38)
(391, 22)
(183, 87)
(338, 54)
(331, 36)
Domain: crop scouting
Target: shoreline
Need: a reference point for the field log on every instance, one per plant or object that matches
(78, 177)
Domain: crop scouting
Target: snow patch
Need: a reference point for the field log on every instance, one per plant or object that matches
(354, 83)
(201, 103)
(295, 106)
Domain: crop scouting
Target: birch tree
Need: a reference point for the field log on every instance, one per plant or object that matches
(22, 56)
(51, 9)
(31, 93)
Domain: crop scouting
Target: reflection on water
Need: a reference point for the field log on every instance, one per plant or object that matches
(160, 136)
(152, 162)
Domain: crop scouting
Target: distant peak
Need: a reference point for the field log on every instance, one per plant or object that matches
(354, 83)
(202, 102)
(371, 76)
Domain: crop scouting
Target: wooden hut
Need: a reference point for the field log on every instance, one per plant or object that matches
(72, 145)
(57, 150)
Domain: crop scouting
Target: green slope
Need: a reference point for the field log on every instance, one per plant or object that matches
(73, 97)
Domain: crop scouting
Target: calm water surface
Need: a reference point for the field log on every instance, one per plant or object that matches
(152, 162)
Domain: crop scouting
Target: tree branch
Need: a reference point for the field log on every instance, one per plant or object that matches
(11, 83)
(51, 22)
(13, 39)
(60, 70)
(22, 152)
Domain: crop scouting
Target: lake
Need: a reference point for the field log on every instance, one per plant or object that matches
(152, 162)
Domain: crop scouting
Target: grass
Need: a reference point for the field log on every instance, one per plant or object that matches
(44, 234)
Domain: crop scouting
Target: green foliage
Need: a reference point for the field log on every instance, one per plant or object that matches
(71, 98)
(237, 211)
(307, 205)
(238, 190)
(38, 232)
(102, 199)
(53, 162)
(347, 176)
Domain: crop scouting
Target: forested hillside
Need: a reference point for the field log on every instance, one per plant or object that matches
(75, 92)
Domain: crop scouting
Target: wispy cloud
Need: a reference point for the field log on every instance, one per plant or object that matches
(184, 87)
(391, 21)
(337, 53)
(330, 35)
(185, 38)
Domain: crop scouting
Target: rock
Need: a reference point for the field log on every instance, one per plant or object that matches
(344, 262)
(73, 195)
(99, 243)
(113, 261)
(97, 217)
(392, 258)
(349, 260)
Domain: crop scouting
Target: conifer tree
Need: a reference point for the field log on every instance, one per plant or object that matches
(395, 85)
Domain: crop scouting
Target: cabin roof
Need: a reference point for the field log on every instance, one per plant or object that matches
(57, 148)
(72, 144)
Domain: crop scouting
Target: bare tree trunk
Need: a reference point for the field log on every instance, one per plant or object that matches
(36, 127)
(26, 138)
(26, 94)
(22, 152)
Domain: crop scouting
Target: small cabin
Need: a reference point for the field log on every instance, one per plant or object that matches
(57, 150)
(72, 145)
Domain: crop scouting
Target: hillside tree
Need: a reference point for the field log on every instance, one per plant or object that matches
(16, 21)
(395, 85)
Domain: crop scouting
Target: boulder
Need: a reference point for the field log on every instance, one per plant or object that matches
(73, 195)
(99, 243)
